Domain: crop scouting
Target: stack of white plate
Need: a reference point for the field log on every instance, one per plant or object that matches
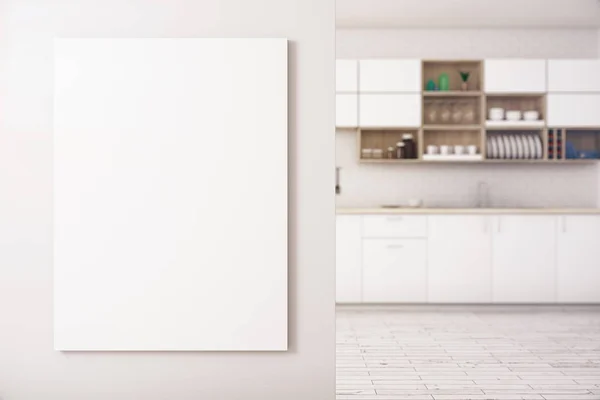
(514, 146)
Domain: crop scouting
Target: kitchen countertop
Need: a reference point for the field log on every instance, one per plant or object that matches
(478, 211)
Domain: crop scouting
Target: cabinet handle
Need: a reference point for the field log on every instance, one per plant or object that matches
(395, 246)
(564, 224)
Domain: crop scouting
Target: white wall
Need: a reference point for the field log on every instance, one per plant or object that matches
(525, 185)
(29, 367)
(467, 43)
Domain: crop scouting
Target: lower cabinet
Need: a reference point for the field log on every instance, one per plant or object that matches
(348, 279)
(578, 259)
(524, 262)
(394, 271)
(468, 259)
(459, 259)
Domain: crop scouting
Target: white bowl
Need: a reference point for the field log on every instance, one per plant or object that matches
(414, 203)
(496, 114)
(531, 115)
(514, 115)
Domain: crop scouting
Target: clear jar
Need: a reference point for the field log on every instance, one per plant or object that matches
(391, 152)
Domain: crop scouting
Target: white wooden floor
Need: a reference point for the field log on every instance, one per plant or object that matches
(495, 353)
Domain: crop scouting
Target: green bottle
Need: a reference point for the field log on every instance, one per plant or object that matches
(444, 82)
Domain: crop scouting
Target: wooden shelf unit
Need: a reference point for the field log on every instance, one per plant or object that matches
(383, 138)
(432, 69)
(448, 133)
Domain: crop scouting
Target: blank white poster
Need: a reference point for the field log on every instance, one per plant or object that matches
(170, 194)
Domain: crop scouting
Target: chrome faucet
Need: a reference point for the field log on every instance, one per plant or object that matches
(483, 194)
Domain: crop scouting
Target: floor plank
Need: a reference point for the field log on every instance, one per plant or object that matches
(468, 352)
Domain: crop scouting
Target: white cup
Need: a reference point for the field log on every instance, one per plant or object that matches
(472, 150)
(459, 150)
(445, 150)
(432, 149)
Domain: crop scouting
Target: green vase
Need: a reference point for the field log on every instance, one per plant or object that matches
(444, 82)
(430, 85)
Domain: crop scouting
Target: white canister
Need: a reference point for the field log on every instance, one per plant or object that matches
(472, 150)
(459, 149)
(445, 150)
(496, 114)
(432, 149)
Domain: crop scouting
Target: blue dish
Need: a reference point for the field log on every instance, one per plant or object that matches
(588, 154)
(570, 151)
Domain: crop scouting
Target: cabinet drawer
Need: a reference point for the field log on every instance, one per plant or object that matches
(394, 270)
(390, 75)
(573, 110)
(394, 226)
(573, 76)
(389, 110)
(346, 110)
(515, 76)
(346, 76)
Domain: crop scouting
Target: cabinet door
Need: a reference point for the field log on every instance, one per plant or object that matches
(459, 259)
(579, 259)
(524, 262)
(394, 271)
(346, 110)
(390, 76)
(573, 110)
(573, 75)
(515, 76)
(348, 259)
(346, 76)
(389, 110)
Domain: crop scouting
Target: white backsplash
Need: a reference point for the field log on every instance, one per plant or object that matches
(520, 185)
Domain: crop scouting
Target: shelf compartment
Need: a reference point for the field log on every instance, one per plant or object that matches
(518, 102)
(534, 154)
(453, 138)
(447, 110)
(433, 69)
(580, 144)
(383, 139)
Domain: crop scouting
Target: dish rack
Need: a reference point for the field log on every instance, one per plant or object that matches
(514, 146)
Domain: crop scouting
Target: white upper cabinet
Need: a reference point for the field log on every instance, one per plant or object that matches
(394, 271)
(459, 257)
(390, 76)
(573, 110)
(524, 262)
(390, 110)
(346, 76)
(578, 259)
(515, 76)
(346, 110)
(348, 259)
(574, 75)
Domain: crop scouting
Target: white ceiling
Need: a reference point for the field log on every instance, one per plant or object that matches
(381, 14)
